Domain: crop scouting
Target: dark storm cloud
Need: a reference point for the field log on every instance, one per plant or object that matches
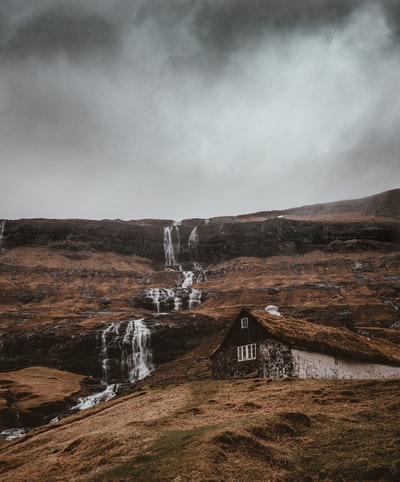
(171, 108)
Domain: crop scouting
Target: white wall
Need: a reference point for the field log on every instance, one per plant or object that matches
(316, 365)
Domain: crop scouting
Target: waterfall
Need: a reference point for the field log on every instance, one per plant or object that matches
(126, 354)
(108, 336)
(177, 297)
(194, 298)
(2, 227)
(161, 296)
(171, 249)
(177, 303)
(155, 294)
(125, 357)
(92, 400)
(136, 354)
(184, 296)
(193, 239)
(188, 277)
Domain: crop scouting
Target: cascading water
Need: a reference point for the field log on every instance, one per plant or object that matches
(136, 360)
(2, 228)
(188, 277)
(12, 433)
(194, 298)
(171, 248)
(193, 240)
(167, 299)
(125, 357)
(155, 295)
(161, 296)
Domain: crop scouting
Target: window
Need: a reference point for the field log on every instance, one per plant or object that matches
(244, 322)
(246, 352)
(336, 361)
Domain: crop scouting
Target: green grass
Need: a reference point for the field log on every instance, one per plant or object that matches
(170, 453)
(168, 456)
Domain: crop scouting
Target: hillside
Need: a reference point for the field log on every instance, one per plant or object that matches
(281, 430)
(71, 288)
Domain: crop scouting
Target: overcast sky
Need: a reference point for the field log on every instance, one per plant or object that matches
(195, 108)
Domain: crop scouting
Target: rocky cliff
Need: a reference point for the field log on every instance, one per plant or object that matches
(218, 239)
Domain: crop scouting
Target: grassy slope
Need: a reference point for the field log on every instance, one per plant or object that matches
(35, 388)
(283, 430)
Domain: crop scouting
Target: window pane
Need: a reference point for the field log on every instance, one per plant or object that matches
(247, 352)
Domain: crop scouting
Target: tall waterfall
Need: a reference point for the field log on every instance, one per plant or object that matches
(125, 352)
(171, 247)
(193, 239)
(125, 357)
(137, 357)
(2, 227)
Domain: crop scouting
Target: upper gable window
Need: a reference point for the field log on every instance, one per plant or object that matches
(244, 322)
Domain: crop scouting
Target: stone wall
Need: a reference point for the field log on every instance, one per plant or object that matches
(273, 360)
(277, 360)
(225, 364)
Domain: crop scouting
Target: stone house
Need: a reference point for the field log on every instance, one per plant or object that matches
(263, 345)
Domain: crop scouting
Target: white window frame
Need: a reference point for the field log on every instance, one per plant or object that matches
(247, 352)
(244, 322)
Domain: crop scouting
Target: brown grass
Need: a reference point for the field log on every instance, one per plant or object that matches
(35, 390)
(242, 430)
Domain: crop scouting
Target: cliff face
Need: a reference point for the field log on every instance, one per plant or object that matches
(79, 350)
(215, 240)
(63, 282)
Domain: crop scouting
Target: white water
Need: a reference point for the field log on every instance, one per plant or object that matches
(194, 298)
(12, 433)
(193, 239)
(166, 297)
(155, 295)
(160, 296)
(2, 227)
(171, 248)
(136, 353)
(177, 303)
(134, 361)
(107, 335)
(188, 278)
(92, 400)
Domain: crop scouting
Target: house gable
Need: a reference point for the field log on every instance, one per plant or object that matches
(249, 350)
(245, 330)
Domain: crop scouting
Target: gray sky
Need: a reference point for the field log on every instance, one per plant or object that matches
(181, 108)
